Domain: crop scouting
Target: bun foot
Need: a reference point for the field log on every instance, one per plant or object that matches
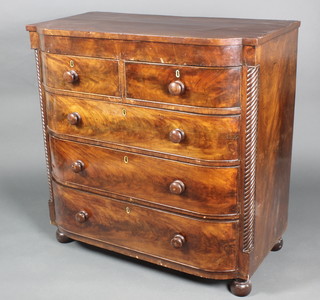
(62, 238)
(240, 288)
(278, 245)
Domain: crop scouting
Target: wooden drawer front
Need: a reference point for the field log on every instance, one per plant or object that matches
(204, 190)
(98, 76)
(207, 245)
(206, 137)
(206, 87)
(168, 53)
(69, 45)
(181, 54)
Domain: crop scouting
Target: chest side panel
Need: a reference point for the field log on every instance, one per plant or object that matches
(274, 145)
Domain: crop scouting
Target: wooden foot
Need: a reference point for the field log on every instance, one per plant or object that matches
(62, 238)
(278, 245)
(240, 288)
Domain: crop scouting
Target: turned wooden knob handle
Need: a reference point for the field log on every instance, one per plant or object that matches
(74, 118)
(176, 135)
(70, 76)
(177, 187)
(176, 88)
(178, 241)
(81, 216)
(77, 166)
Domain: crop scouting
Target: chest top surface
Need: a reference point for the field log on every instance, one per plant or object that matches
(188, 30)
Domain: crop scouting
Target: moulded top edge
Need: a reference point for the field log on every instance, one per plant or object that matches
(186, 30)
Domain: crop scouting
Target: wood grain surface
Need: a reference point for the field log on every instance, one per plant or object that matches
(208, 245)
(98, 76)
(180, 54)
(278, 61)
(174, 29)
(208, 191)
(209, 87)
(207, 137)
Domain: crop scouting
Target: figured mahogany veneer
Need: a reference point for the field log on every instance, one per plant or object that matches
(169, 139)
(174, 29)
(207, 190)
(207, 137)
(140, 228)
(82, 74)
(200, 86)
(179, 54)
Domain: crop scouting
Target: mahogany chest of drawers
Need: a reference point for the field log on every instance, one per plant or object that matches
(169, 138)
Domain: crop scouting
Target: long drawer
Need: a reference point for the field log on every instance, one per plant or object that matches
(204, 137)
(208, 245)
(168, 53)
(177, 185)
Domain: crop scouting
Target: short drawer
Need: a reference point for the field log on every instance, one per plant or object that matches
(207, 245)
(205, 137)
(176, 185)
(81, 74)
(185, 85)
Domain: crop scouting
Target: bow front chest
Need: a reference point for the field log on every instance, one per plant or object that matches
(169, 138)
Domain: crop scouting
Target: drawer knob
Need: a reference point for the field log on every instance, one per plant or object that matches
(178, 241)
(81, 216)
(70, 76)
(74, 118)
(77, 166)
(176, 135)
(177, 187)
(176, 88)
